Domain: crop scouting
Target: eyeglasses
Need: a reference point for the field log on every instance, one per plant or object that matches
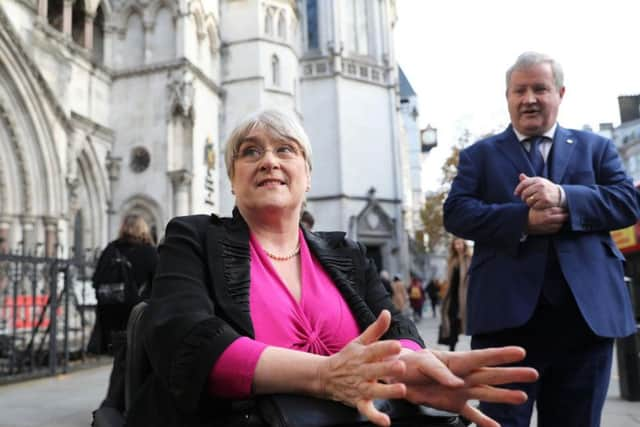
(252, 152)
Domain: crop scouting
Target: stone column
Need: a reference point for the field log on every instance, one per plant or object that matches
(29, 236)
(5, 223)
(148, 53)
(88, 31)
(43, 9)
(181, 180)
(50, 235)
(66, 17)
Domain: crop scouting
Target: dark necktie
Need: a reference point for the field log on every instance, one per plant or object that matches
(535, 156)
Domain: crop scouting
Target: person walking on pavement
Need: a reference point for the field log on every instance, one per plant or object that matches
(135, 248)
(399, 296)
(433, 291)
(454, 303)
(416, 298)
(539, 200)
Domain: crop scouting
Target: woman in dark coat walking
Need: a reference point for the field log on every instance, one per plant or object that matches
(135, 246)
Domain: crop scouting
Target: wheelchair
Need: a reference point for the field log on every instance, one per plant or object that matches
(308, 411)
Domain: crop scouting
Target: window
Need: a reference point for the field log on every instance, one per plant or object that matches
(54, 14)
(357, 31)
(275, 70)
(282, 26)
(312, 24)
(98, 36)
(77, 22)
(268, 22)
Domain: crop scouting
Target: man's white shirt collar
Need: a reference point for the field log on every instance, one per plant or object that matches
(548, 134)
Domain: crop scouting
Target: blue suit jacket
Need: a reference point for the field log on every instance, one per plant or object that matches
(506, 274)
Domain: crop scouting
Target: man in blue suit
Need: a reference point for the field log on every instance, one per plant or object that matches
(539, 202)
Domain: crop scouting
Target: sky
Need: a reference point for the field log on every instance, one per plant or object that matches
(455, 54)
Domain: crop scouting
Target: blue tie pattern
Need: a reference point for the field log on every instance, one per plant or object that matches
(535, 156)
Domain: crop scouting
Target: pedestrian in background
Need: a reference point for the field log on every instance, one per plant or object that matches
(399, 295)
(454, 304)
(539, 200)
(433, 291)
(416, 298)
(134, 248)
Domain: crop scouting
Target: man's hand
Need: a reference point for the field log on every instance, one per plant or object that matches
(546, 221)
(538, 192)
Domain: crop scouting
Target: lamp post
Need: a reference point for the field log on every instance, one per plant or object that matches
(428, 138)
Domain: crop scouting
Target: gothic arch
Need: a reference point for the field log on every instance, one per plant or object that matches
(35, 120)
(146, 207)
(92, 197)
(123, 22)
(93, 5)
(25, 192)
(154, 8)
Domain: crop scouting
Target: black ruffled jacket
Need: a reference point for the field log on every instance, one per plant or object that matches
(200, 305)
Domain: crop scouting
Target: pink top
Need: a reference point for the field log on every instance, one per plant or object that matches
(320, 323)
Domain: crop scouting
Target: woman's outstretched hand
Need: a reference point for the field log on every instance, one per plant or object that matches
(351, 375)
(448, 380)
(368, 369)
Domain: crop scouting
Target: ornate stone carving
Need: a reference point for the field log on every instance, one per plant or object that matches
(73, 184)
(180, 179)
(22, 52)
(181, 92)
(113, 165)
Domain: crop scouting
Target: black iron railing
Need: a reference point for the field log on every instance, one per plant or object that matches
(47, 312)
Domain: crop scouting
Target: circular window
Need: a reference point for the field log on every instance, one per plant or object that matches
(140, 159)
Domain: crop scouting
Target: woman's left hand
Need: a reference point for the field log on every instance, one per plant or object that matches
(429, 380)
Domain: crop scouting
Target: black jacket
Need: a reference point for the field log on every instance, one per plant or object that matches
(200, 305)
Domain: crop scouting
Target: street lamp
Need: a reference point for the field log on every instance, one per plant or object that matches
(428, 138)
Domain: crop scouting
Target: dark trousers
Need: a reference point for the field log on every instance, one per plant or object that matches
(573, 363)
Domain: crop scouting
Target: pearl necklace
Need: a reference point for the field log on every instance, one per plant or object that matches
(295, 252)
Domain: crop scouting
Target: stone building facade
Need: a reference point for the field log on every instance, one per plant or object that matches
(115, 106)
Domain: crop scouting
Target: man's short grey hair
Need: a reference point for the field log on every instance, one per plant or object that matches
(277, 124)
(529, 59)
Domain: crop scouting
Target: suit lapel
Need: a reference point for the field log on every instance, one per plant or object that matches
(512, 148)
(230, 268)
(561, 151)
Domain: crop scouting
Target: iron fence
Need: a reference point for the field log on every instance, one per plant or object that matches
(47, 312)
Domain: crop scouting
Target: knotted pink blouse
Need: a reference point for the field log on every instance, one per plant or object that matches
(320, 323)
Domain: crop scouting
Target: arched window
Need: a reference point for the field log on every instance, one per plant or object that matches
(77, 22)
(98, 36)
(268, 22)
(54, 13)
(275, 70)
(312, 24)
(282, 26)
(163, 40)
(134, 42)
(357, 30)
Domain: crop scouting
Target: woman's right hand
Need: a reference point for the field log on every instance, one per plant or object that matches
(351, 375)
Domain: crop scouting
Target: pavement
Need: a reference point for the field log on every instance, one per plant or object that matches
(67, 400)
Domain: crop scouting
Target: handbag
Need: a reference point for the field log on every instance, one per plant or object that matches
(120, 287)
(288, 410)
